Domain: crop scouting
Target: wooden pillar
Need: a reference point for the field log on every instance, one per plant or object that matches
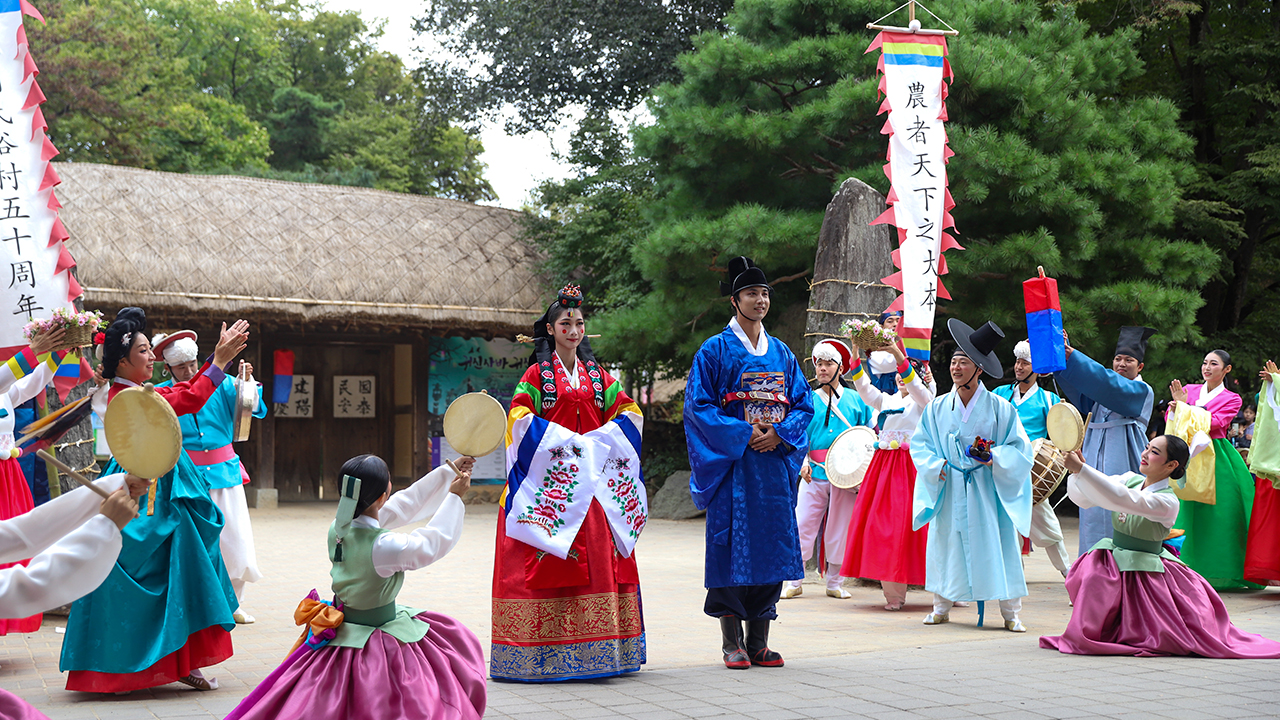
(421, 406)
(265, 475)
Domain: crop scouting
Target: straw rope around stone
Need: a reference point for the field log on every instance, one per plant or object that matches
(295, 252)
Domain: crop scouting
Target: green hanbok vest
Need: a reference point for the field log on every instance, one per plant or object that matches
(1138, 544)
(369, 599)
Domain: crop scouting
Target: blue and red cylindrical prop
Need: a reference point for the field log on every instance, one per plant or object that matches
(283, 371)
(1044, 324)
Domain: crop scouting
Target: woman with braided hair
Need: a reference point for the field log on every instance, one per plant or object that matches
(566, 592)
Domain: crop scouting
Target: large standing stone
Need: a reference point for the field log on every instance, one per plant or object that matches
(673, 501)
(853, 257)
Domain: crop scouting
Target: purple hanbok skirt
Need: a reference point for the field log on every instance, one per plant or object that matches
(1150, 614)
(441, 677)
(13, 707)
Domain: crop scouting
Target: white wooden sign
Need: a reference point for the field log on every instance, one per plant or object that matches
(354, 396)
(301, 399)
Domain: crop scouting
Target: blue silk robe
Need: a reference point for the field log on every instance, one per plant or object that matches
(822, 434)
(977, 515)
(1117, 434)
(749, 496)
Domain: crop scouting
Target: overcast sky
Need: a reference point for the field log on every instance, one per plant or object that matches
(516, 163)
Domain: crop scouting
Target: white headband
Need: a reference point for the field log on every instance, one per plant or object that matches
(1022, 351)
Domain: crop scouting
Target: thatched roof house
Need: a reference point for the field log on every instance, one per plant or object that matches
(295, 253)
(401, 294)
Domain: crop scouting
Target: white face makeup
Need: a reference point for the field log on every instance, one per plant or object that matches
(569, 330)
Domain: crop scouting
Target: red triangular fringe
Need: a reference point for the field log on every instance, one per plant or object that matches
(31, 10)
(50, 177)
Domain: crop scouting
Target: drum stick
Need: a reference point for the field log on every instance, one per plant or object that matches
(71, 472)
(453, 467)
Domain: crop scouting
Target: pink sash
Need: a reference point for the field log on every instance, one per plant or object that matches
(818, 456)
(215, 456)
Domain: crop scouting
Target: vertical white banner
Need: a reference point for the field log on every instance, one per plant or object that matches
(34, 263)
(914, 68)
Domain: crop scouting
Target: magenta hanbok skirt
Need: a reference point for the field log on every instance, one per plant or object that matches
(1150, 614)
(13, 707)
(442, 677)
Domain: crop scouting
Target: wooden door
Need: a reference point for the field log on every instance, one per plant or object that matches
(309, 452)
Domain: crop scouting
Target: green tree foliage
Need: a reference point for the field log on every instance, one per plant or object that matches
(1054, 166)
(280, 89)
(1220, 63)
(299, 124)
(208, 131)
(105, 84)
(545, 55)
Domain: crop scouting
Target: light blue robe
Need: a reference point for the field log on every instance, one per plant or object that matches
(1032, 411)
(977, 515)
(1117, 435)
(822, 434)
(211, 428)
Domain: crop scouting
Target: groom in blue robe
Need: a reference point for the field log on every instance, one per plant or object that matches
(977, 505)
(746, 411)
(1121, 405)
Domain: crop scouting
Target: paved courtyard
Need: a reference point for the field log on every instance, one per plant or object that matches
(845, 659)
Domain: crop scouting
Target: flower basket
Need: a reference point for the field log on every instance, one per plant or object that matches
(80, 327)
(868, 334)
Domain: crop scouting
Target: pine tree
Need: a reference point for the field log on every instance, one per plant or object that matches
(1054, 166)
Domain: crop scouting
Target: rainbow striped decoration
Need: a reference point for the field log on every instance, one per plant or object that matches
(914, 69)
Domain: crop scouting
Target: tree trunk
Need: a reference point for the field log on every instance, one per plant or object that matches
(853, 257)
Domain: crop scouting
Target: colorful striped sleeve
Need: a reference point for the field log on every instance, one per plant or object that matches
(526, 401)
(616, 401)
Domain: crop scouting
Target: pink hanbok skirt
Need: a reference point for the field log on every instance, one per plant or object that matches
(441, 677)
(1150, 614)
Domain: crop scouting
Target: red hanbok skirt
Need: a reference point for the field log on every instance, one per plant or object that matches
(881, 544)
(1262, 552)
(568, 619)
(15, 500)
(206, 647)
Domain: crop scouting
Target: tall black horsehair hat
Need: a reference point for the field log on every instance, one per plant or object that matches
(979, 345)
(743, 274)
(1133, 341)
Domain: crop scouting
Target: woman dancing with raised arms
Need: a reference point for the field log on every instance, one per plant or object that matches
(365, 657)
(1132, 596)
(165, 611)
(882, 546)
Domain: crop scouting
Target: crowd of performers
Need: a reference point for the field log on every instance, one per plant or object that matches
(945, 505)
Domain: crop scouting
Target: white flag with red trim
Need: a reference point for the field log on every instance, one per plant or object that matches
(35, 265)
(914, 68)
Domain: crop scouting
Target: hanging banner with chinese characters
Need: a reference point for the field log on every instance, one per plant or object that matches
(914, 68)
(35, 275)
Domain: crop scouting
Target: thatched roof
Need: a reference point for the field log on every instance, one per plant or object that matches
(294, 252)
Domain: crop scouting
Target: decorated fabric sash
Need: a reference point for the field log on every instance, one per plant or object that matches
(320, 621)
(742, 396)
(1192, 425)
(553, 473)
